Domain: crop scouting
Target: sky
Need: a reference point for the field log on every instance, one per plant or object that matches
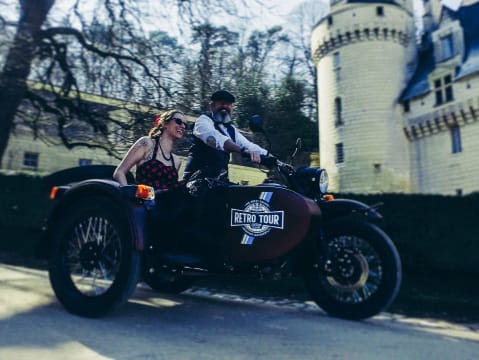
(278, 15)
(157, 16)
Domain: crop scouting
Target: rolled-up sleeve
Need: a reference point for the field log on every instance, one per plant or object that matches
(204, 129)
(242, 141)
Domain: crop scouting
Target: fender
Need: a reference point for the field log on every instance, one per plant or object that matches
(122, 197)
(344, 207)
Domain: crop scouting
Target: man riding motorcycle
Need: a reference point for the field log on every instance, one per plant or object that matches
(215, 138)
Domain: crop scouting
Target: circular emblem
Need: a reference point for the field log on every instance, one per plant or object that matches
(255, 227)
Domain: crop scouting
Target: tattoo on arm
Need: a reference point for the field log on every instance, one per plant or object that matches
(144, 146)
(143, 142)
(211, 141)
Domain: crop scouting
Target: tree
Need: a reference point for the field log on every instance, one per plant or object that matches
(250, 73)
(17, 64)
(213, 42)
(304, 17)
(190, 83)
(285, 121)
(51, 52)
(110, 35)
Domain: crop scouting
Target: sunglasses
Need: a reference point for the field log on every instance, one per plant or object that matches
(179, 121)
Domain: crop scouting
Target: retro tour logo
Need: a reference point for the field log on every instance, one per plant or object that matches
(257, 218)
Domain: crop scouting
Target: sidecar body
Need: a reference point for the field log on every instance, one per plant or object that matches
(227, 225)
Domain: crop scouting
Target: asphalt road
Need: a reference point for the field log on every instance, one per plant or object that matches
(200, 324)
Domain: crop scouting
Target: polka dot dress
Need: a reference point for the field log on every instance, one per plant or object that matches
(156, 174)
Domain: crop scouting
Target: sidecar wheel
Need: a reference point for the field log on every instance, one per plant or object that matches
(168, 283)
(94, 267)
(364, 273)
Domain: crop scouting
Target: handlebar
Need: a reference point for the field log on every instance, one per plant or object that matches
(266, 160)
(269, 160)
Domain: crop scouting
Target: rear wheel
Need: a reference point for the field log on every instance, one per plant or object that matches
(94, 267)
(361, 275)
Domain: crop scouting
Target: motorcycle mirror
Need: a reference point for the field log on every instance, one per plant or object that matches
(298, 146)
(256, 124)
(299, 143)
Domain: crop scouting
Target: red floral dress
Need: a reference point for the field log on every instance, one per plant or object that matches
(156, 174)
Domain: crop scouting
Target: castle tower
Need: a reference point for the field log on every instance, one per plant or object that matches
(365, 52)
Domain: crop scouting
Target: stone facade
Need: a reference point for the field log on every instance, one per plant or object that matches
(382, 128)
(25, 153)
(43, 153)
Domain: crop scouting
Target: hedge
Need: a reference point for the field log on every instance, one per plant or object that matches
(431, 231)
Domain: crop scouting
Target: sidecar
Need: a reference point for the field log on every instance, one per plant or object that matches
(102, 238)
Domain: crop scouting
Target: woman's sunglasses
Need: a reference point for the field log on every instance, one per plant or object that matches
(179, 121)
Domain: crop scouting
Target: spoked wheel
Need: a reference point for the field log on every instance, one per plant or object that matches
(362, 272)
(93, 267)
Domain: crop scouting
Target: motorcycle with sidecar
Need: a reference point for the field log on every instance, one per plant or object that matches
(104, 238)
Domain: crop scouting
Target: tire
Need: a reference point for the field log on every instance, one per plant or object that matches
(93, 267)
(364, 275)
(168, 283)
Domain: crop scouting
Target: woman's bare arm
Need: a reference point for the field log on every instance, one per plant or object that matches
(133, 157)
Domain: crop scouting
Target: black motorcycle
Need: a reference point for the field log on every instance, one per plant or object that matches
(104, 238)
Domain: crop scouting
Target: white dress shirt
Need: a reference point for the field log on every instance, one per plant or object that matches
(205, 128)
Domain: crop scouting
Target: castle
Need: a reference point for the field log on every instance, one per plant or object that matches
(398, 114)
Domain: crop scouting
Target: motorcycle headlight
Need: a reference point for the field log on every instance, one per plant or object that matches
(323, 181)
(312, 179)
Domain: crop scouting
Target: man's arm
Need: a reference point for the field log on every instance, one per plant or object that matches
(243, 142)
(205, 130)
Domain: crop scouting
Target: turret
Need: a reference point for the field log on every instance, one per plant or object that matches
(364, 51)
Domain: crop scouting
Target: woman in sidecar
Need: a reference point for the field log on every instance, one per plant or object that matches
(156, 165)
(98, 267)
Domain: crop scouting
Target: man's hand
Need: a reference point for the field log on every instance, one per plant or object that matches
(255, 156)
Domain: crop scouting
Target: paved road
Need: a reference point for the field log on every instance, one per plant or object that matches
(202, 325)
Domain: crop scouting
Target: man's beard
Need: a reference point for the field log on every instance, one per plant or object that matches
(222, 116)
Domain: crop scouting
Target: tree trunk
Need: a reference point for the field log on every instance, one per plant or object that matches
(17, 64)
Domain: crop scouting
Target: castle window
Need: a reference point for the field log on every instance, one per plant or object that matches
(447, 46)
(380, 11)
(407, 106)
(443, 90)
(337, 60)
(84, 162)
(30, 160)
(338, 109)
(330, 20)
(456, 139)
(337, 64)
(339, 153)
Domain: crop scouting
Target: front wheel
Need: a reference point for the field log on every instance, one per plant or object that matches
(359, 273)
(94, 266)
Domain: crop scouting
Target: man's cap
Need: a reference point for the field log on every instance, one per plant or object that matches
(223, 95)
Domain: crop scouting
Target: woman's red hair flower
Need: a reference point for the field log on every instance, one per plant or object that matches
(157, 120)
